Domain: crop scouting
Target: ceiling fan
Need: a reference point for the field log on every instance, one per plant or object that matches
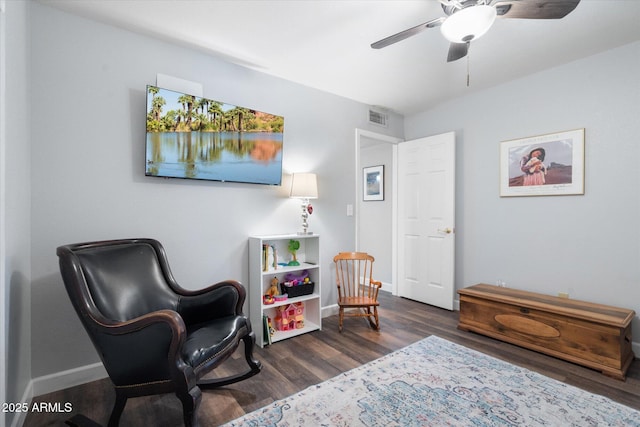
(468, 20)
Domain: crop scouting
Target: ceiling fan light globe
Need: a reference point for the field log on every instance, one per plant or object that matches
(468, 24)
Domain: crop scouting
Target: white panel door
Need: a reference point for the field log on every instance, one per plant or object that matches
(426, 209)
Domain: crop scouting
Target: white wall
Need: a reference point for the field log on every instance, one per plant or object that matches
(88, 118)
(15, 204)
(589, 245)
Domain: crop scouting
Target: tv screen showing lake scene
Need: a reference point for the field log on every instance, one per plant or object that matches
(199, 138)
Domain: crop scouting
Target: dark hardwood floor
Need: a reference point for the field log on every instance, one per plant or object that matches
(294, 364)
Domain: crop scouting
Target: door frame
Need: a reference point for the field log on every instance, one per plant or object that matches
(360, 134)
(3, 282)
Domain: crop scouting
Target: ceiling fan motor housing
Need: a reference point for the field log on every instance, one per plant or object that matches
(469, 23)
(450, 7)
(467, 20)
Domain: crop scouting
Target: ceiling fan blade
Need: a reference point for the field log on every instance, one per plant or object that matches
(407, 33)
(457, 51)
(535, 9)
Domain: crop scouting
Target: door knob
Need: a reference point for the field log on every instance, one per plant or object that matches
(446, 230)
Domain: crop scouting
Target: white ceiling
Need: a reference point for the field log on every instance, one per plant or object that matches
(326, 44)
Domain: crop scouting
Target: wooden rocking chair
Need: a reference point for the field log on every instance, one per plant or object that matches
(357, 291)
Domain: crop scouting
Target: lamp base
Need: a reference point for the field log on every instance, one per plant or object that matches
(305, 216)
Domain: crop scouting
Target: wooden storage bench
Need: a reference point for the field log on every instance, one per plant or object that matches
(592, 335)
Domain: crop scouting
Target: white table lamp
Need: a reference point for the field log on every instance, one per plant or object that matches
(304, 186)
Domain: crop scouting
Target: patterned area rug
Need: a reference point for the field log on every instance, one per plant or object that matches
(435, 382)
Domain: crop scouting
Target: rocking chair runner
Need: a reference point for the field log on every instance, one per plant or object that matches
(357, 291)
(152, 335)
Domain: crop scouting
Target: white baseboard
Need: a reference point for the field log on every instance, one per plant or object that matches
(329, 310)
(58, 381)
(69, 378)
(387, 287)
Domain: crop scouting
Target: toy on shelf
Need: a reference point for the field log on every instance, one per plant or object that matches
(297, 284)
(273, 289)
(272, 293)
(299, 315)
(297, 277)
(290, 317)
(269, 257)
(293, 247)
(268, 299)
(270, 326)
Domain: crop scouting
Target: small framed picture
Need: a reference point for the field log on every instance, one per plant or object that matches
(373, 183)
(545, 165)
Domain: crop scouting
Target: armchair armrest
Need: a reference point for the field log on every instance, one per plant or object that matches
(376, 285)
(222, 299)
(152, 340)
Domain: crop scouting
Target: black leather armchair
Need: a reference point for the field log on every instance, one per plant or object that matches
(153, 336)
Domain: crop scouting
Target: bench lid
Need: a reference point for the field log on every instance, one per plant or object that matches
(599, 313)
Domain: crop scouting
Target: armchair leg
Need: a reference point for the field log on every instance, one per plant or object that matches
(249, 343)
(190, 402)
(254, 365)
(375, 324)
(118, 407)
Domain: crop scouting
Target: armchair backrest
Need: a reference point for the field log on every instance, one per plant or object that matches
(354, 275)
(122, 279)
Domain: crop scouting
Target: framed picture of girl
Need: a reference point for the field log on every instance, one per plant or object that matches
(544, 165)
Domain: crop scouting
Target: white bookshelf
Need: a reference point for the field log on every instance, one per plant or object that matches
(260, 277)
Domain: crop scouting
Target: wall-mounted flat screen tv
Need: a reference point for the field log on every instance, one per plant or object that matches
(199, 138)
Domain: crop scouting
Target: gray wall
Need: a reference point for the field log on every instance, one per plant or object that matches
(15, 204)
(375, 221)
(73, 171)
(586, 245)
(88, 114)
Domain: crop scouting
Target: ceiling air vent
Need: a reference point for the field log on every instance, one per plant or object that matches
(378, 118)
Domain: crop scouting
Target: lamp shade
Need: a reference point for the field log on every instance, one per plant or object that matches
(468, 24)
(304, 186)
